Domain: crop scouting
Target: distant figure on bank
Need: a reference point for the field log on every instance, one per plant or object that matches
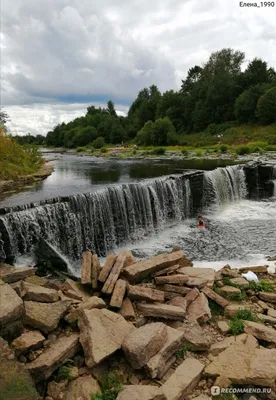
(201, 223)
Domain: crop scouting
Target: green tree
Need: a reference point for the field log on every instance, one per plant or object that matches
(145, 136)
(111, 109)
(266, 107)
(99, 142)
(246, 103)
(257, 72)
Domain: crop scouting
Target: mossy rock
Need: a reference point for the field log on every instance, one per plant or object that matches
(15, 382)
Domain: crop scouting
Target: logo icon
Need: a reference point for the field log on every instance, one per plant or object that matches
(215, 390)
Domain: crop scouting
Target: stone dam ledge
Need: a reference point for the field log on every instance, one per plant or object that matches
(158, 329)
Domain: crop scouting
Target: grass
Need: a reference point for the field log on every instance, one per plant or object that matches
(183, 350)
(17, 161)
(261, 286)
(110, 386)
(247, 314)
(158, 151)
(236, 327)
(215, 308)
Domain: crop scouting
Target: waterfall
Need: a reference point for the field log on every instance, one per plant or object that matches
(100, 220)
(115, 215)
(224, 185)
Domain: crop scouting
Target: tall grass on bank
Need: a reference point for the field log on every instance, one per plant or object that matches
(15, 160)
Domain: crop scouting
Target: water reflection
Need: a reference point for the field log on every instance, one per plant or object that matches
(74, 174)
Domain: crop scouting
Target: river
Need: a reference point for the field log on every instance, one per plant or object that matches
(146, 206)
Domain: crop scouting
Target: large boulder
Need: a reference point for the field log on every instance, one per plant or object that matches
(184, 379)
(52, 358)
(141, 392)
(15, 382)
(244, 364)
(143, 343)
(11, 309)
(199, 310)
(11, 274)
(81, 388)
(39, 293)
(93, 302)
(260, 331)
(194, 335)
(218, 347)
(102, 332)
(45, 316)
(157, 364)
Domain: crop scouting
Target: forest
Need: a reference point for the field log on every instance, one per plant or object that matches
(213, 97)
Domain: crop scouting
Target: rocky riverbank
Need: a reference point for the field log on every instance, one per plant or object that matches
(157, 329)
(12, 185)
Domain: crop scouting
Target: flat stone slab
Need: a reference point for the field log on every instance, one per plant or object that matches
(229, 290)
(199, 310)
(11, 274)
(28, 341)
(45, 316)
(127, 310)
(102, 332)
(245, 364)
(39, 293)
(215, 297)
(11, 305)
(140, 293)
(15, 382)
(232, 309)
(53, 357)
(165, 311)
(142, 269)
(204, 275)
(143, 343)
(184, 379)
(267, 296)
(141, 392)
(218, 347)
(240, 281)
(157, 364)
(260, 331)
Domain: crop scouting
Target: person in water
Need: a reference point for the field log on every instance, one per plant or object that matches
(201, 223)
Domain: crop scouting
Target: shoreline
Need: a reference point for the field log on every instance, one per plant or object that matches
(13, 184)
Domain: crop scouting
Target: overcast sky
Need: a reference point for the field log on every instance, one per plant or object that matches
(59, 56)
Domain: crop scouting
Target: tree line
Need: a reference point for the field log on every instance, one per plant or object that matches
(212, 98)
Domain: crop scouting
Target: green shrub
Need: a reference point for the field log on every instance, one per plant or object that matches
(99, 142)
(236, 327)
(247, 314)
(133, 152)
(223, 148)
(110, 386)
(103, 150)
(261, 286)
(270, 148)
(81, 149)
(199, 153)
(184, 152)
(183, 350)
(159, 151)
(242, 150)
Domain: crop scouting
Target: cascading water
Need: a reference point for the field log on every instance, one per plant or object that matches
(224, 185)
(113, 216)
(100, 220)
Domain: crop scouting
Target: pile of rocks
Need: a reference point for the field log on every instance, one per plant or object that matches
(150, 320)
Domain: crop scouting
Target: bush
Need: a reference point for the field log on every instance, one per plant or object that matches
(270, 148)
(111, 387)
(236, 327)
(184, 152)
(103, 150)
(99, 142)
(158, 151)
(199, 153)
(81, 149)
(261, 286)
(242, 150)
(247, 314)
(246, 103)
(223, 148)
(266, 107)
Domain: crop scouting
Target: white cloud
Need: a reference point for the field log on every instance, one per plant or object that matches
(88, 51)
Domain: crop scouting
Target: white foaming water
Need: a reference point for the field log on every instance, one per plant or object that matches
(240, 234)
